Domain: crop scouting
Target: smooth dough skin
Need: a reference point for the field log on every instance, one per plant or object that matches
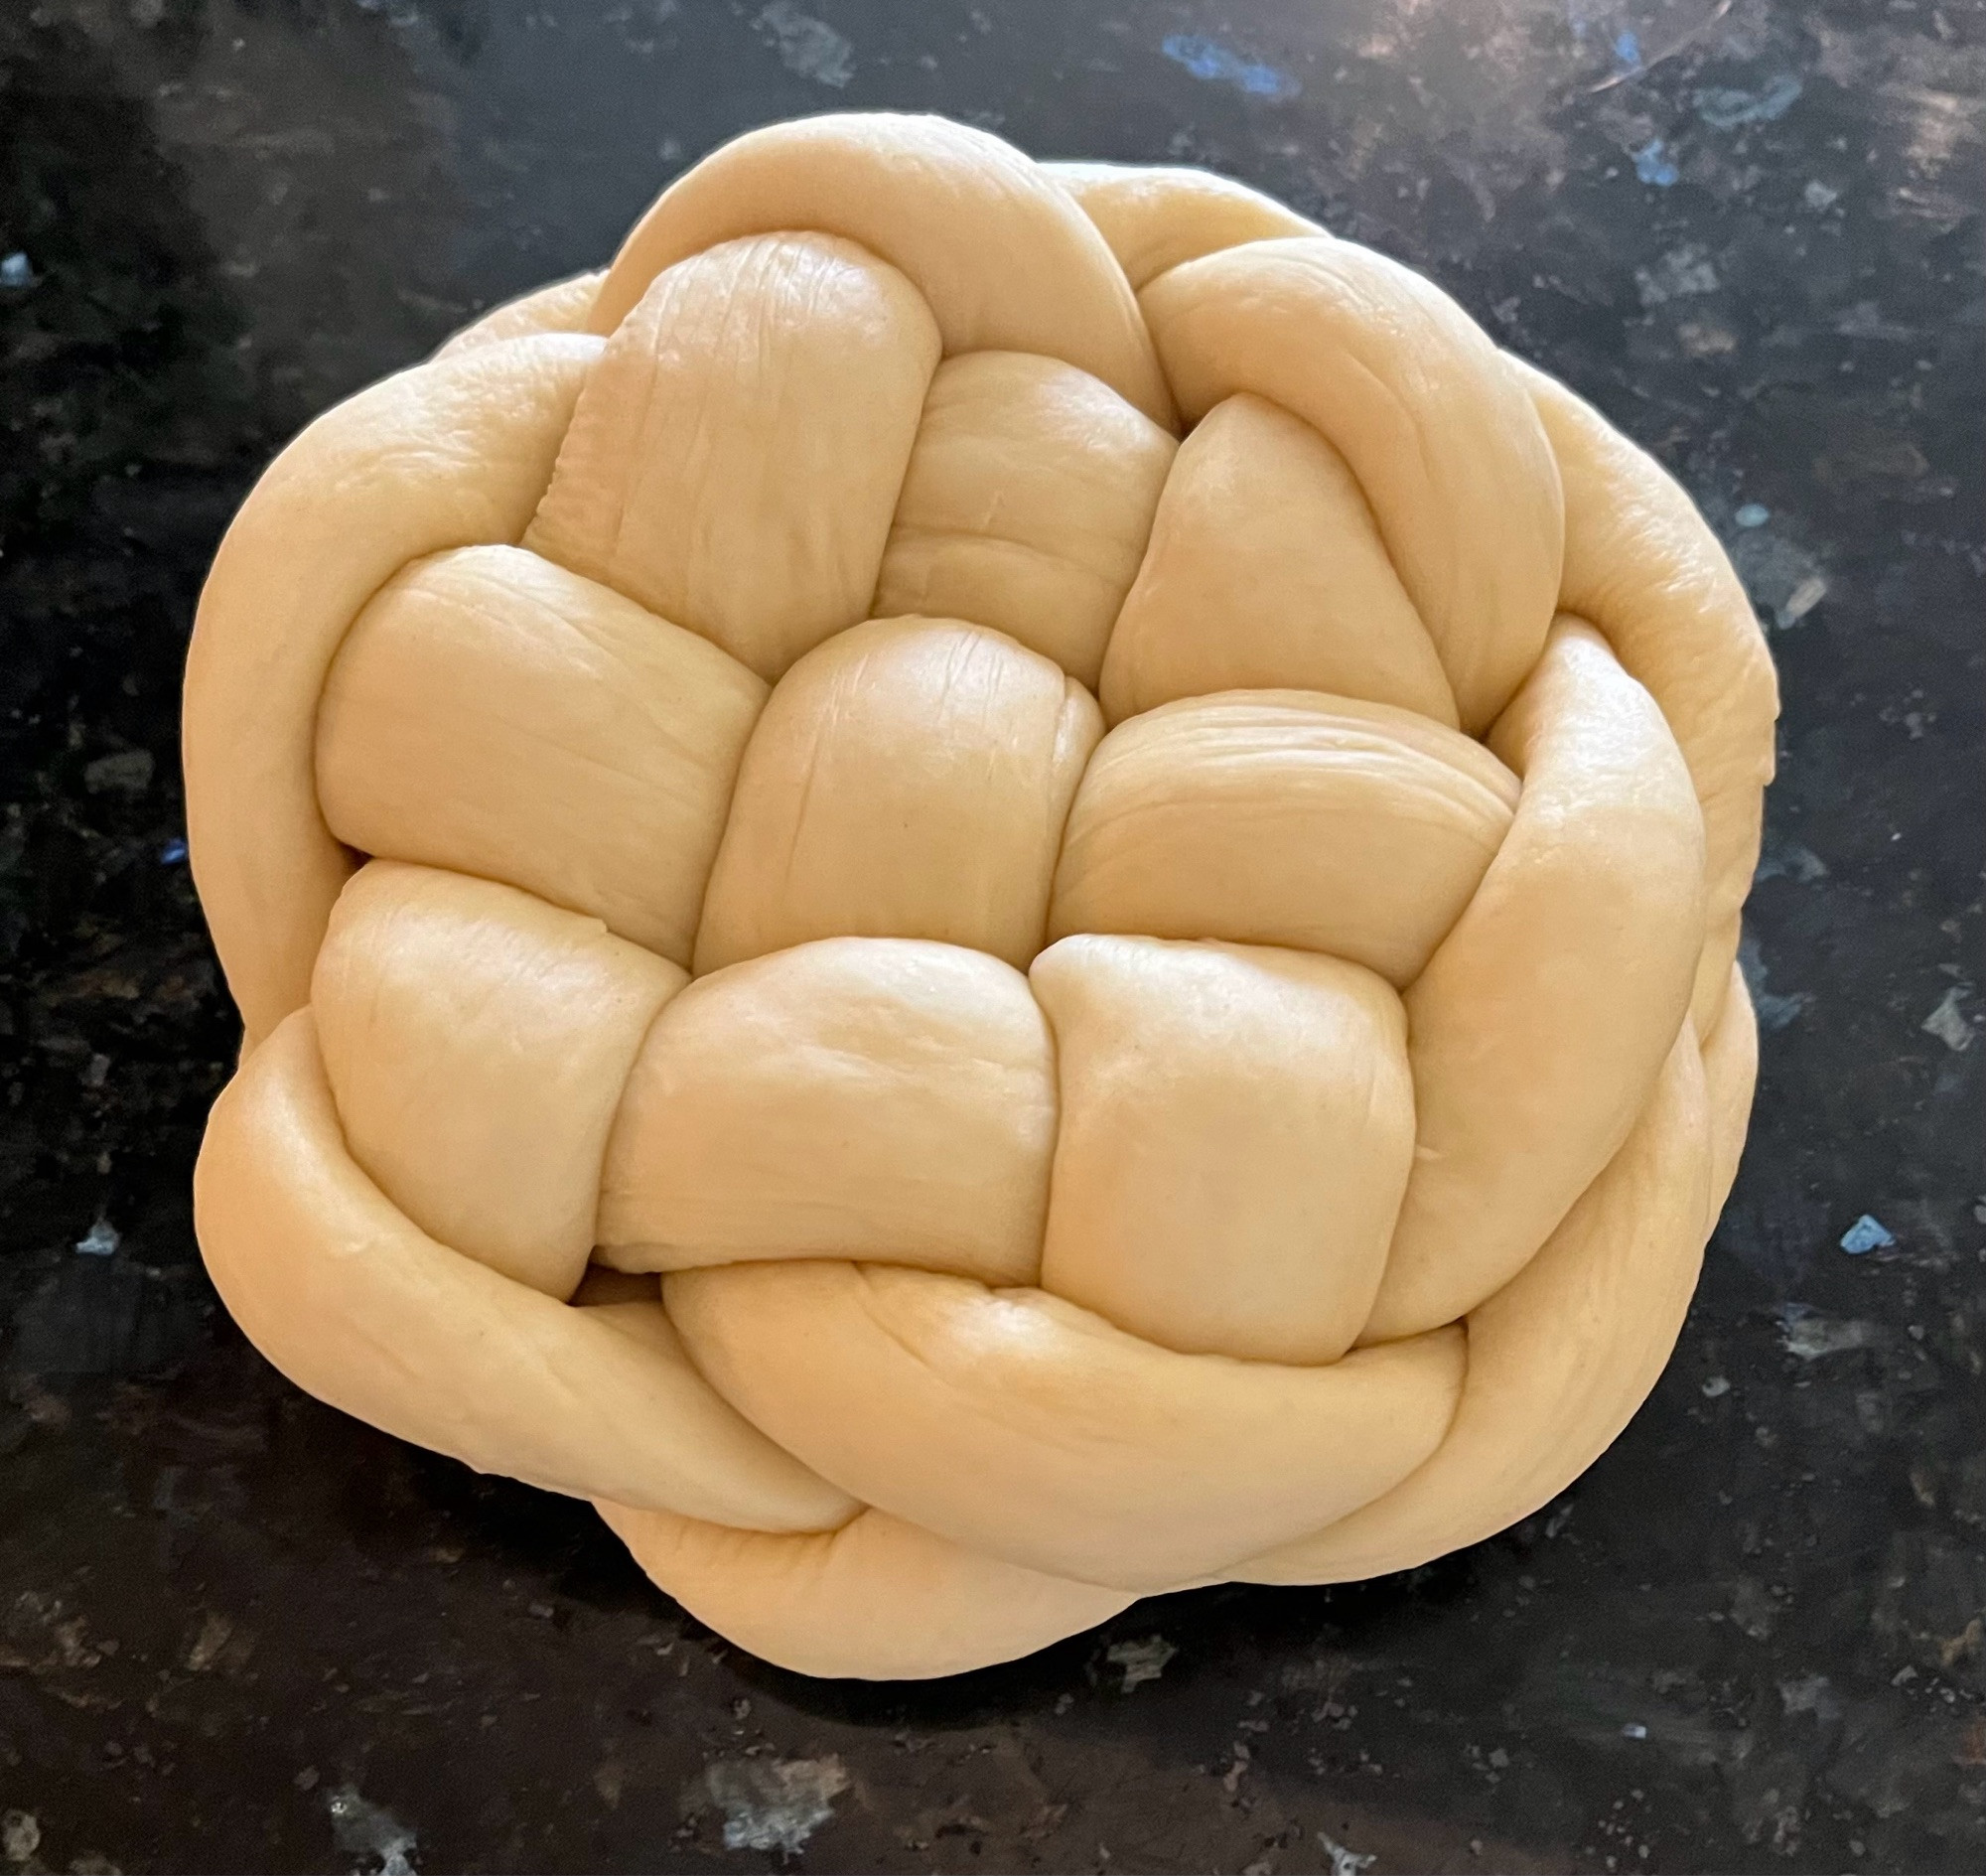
(982, 888)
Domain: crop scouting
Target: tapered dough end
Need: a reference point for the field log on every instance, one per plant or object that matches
(877, 1600)
(361, 1308)
(562, 306)
(1235, 593)
(1440, 436)
(1156, 218)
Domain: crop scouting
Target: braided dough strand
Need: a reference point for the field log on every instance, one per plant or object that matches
(986, 886)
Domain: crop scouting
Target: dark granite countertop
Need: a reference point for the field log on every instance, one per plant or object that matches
(239, 1631)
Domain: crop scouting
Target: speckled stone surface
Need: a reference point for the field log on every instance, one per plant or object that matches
(241, 1632)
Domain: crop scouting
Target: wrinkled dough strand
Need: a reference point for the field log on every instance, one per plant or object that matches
(1640, 564)
(735, 456)
(632, 731)
(563, 306)
(1017, 1423)
(1026, 506)
(1540, 1024)
(477, 1042)
(884, 1098)
(1006, 259)
(446, 455)
(1236, 1127)
(1438, 430)
(1284, 817)
(909, 779)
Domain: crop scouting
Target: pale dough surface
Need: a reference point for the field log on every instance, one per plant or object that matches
(983, 887)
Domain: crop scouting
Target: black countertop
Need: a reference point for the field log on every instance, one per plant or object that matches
(241, 1631)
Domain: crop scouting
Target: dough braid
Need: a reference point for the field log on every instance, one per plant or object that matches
(988, 886)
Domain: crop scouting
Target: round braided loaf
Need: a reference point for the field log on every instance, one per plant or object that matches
(990, 886)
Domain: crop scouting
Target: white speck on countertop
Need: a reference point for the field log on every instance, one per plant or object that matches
(368, 1830)
(1141, 1660)
(100, 1240)
(808, 46)
(775, 1805)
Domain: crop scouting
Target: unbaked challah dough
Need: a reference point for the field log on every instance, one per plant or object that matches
(988, 886)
